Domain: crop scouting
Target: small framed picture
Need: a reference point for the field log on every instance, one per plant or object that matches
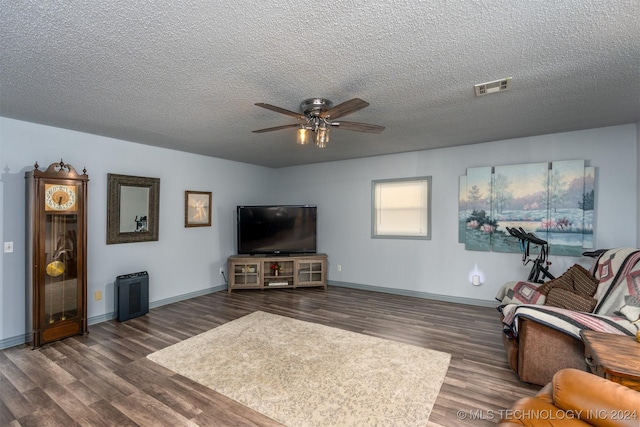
(197, 209)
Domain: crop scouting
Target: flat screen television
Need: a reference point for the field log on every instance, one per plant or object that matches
(277, 229)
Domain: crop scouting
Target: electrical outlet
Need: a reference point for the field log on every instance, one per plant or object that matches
(8, 247)
(98, 295)
(339, 267)
(221, 270)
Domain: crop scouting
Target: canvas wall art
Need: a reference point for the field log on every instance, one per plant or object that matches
(555, 201)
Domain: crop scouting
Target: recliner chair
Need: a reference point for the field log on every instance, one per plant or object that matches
(576, 398)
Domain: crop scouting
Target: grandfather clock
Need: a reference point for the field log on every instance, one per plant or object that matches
(56, 253)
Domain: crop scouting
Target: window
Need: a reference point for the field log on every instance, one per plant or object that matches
(401, 208)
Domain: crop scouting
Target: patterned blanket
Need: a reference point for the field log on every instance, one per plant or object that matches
(618, 296)
(619, 286)
(567, 321)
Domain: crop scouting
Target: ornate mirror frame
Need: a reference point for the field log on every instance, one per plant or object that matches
(114, 198)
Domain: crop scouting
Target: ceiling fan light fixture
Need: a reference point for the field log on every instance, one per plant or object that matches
(303, 135)
(317, 115)
(322, 137)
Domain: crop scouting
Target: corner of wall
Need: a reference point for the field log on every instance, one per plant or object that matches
(638, 185)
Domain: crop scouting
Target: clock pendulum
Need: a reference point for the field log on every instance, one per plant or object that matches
(59, 252)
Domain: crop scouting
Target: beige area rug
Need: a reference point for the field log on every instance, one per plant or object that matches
(305, 374)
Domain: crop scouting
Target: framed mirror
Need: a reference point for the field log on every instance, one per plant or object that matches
(133, 208)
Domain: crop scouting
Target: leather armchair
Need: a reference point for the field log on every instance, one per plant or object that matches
(577, 399)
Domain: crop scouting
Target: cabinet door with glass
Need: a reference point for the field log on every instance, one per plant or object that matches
(56, 253)
(244, 274)
(312, 272)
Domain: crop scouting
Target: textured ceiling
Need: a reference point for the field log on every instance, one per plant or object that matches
(185, 75)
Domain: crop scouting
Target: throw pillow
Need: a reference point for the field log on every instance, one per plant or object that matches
(563, 298)
(558, 281)
(576, 279)
(583, 282)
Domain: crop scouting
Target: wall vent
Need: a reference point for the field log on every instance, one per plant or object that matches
(493, 87)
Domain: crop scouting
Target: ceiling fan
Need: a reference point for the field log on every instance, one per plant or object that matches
(318, 115)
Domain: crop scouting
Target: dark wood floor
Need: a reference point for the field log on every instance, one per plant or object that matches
(104, 378)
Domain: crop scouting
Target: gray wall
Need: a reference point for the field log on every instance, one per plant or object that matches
(185, 261)
(441, 266)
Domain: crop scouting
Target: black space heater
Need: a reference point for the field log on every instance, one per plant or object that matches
(132, 295)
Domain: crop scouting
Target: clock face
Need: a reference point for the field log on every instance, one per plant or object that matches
(60, 197)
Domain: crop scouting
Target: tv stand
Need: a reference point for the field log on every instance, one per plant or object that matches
(260, 272)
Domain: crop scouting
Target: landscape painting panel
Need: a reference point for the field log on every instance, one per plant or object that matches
(588, 206)
(520, 200)
(566, 215)
(462, 208)
(478, 223)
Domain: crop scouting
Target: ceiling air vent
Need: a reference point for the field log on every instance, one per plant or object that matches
(493, 87)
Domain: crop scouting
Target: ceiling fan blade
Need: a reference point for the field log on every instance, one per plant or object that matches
(359, 127)
(345, 108)
(295, 125)
(280, 110)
